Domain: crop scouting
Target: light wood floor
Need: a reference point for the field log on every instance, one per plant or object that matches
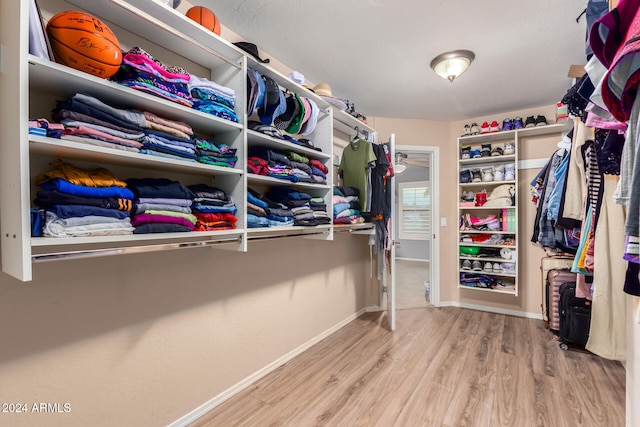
(410, 289)
(442, 367)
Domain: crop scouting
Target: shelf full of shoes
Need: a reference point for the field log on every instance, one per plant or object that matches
(37, 84)
(488, 201)
(294, 126)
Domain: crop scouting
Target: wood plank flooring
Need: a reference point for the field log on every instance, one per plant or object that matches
(446, 367)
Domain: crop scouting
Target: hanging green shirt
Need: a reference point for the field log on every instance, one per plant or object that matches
(357, 158)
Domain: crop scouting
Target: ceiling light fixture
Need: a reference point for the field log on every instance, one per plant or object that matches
(450, 65)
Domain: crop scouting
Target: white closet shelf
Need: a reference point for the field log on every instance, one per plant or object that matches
(486, 259)
(256, 138)
(167, 27)
(494, 290)
(481, 208)
(102, 155)
(43, 75)
(490, 159)
(486, 232)
(480, 245)
(485, 183)
(489, 273)
(511, 134)
(345, 122)
(261, 179)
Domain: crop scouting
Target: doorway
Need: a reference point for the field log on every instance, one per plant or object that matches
(416, 227)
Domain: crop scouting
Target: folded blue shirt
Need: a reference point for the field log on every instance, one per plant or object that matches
(80, 190)
(73, 211)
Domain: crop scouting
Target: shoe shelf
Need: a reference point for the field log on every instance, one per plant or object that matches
(485, 183)
(485, 232)
(485, 259)
(511, 134)
(481, 245)
(494, 290)
(484, 143)
(488, 160)
(489, 273)
(483, 208)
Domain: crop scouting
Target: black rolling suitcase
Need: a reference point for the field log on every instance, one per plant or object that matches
(575, 317)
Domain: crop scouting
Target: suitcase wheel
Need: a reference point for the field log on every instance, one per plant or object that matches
(564, 346)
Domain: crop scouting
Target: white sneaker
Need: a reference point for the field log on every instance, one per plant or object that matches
(508, 267)
(498, 173)
(488, 267)
(509, 148)
(510, 172)
(497, 268)
(487, 174)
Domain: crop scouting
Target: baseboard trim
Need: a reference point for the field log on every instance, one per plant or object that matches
(518, 313)
(237, 388)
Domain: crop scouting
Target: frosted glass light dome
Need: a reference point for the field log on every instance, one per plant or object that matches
(450, 65)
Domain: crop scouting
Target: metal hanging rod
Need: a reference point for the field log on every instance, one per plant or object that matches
(286, 236)
(92, 253)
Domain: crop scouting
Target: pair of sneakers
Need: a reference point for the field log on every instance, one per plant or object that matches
(468, 265)
(472, 129)
(539, 120)
(494, 267)
(490, 128)
(497, 173)
(516, 123)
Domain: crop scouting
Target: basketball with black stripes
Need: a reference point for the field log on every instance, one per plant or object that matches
(84, 42)
(205, 17)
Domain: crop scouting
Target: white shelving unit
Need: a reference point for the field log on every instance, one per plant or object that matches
(491, 281)
(35, 84)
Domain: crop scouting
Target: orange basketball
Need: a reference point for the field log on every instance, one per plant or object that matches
(205, 17)
(84, 42)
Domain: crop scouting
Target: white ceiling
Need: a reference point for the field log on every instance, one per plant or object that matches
(376, 53)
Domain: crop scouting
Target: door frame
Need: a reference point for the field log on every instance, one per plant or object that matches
(434, 293)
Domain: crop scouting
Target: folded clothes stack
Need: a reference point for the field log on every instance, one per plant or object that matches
(213, 208)
(346, 206)
(90, 121)
(141, 71)
(161, 206)
(82, 202)
(301, 205)
(212, 98)
(289, 165)
(264, 212)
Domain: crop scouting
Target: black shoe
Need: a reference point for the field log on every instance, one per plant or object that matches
(530, 122)
(486, 150)
(541, 121)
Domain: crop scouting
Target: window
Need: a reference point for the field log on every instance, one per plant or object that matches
(414, 210)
